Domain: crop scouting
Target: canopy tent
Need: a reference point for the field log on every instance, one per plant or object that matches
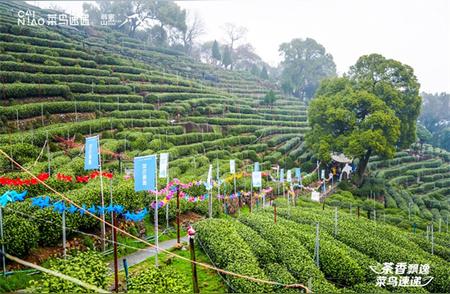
(341, 158)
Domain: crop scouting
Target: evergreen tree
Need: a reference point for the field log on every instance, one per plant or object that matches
(226, 58)
(215, 51)
(264, 75)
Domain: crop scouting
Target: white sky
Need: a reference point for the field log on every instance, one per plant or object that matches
(415, 32)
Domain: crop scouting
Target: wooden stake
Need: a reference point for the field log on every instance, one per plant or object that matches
(116, 264)
(193, 265)
(178, 216)
(3, 245)
(274, 213)
(64, 232)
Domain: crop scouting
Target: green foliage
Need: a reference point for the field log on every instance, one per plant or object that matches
(47, 69)
(22, 153)
(305, 64)
(161, 280)
(226, 57)
(228, 250)
(423, 134)
(269, 98)
(20, 235)
(396, 85)
(351, 121)
(18, 90)
(86, 266)
(291, 253)
(264, 75)
(215, 51)
(363, 235)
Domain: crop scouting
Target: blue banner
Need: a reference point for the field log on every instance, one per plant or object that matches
(298, 173)
(256, 167)
(145, 173)
(282, 175)
(91, 156)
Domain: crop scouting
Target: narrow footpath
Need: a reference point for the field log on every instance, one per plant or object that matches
(141, 255)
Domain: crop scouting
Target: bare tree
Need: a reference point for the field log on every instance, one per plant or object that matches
(234, 33)
(194, 28)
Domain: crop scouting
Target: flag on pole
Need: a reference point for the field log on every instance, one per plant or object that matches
(322, 174)
(217, 171)
(256, 166)
(163, 164)
(232, 166)
(257, 179)
(209, 180)
(298, 174)
(282, 175)
(145, 173)
(91, 156)
(289, 176)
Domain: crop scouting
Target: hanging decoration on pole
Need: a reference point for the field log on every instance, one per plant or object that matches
(163, 165)
(232, 166)
(145, 180)
(233, 172)
(298, 175)
(322, 176)
(92, 160)
(3, 244)
(209, 188)
(164, 173)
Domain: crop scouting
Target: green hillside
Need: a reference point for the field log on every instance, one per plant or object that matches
(68, 83)
(419, 181)
(62, 84)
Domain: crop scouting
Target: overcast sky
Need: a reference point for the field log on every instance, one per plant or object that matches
(415, 32)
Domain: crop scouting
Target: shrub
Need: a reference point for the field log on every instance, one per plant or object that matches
(20, 235)
(34, 68)
(161, 280)
(290, 251)
(18, 90)
(229, 251)
(86, 266)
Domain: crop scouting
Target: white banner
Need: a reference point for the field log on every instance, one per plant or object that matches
(322, 174)
(163, 164)
(257, 179)
(209, 180)
(315, 196)
(289, 176)
(232, 166)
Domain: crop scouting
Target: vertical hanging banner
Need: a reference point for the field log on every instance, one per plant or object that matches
(209, 180)
(145, 173)
(297, 173)
(289, 176)
(217, 172)
(256, 168)
(232, 166)
(163, 164)
(282, 175)
(91, 158)
(257, 179)
(322, 174)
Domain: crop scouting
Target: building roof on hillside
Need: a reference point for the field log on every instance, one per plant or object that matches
(340, 158)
